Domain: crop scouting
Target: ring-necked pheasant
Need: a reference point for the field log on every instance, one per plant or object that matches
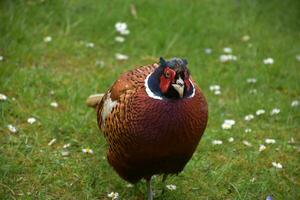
(152, 118)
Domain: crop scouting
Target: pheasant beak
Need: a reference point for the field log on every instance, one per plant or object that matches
(179, 86)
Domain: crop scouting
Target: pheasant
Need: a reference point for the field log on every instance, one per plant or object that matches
(152, 118)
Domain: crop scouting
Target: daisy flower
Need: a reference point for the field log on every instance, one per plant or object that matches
(113, 195)
(3, 97)
(248, 130)
(171, 187)
(208, 50)
(275, 111)
(260, 112)
(261, 147)
(54, 104)
(121, 27)
(47, 39)
(249, 117)
(12, 128)
(90, 45)
(227, 50)
(31, 120)
(214, 87)
(251, 80)
(245, 38)
(119, 39)
(227, 124)
(121, 56)
(270, 141)
(227, 58)
(295, 103)
(87, 151)
(248, 144)
(217, 142)
(277, 165)
(268, 61)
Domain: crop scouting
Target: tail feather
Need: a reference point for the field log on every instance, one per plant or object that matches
(94, 100)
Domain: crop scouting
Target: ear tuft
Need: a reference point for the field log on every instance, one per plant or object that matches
(162, 62)
(185, 61)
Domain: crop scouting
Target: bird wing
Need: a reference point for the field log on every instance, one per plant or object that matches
(114, 100)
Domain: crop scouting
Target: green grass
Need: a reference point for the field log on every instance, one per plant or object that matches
(31, 69)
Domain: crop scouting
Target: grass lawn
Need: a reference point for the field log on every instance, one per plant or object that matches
(80, 60)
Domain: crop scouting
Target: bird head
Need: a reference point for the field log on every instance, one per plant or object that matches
(174, 78)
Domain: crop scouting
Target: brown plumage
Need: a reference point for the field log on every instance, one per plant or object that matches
(153, 118)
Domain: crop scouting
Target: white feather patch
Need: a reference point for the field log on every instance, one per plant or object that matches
(108, 105)
(193, 93)
(149, 92)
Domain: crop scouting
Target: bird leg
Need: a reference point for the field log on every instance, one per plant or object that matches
(149, 189)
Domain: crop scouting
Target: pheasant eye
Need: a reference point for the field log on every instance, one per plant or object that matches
(167, 75)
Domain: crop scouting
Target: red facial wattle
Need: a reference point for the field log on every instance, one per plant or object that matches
(165, 81)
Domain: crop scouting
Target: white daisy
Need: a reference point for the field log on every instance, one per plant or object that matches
(251, 80)
(217, 92)
(249, 117)
(295, 103)
(3, 97)
(171, 187)
(231, 139)
(66, 145)
(227, 124)
(119, 39)
(121, 56)
(226, 58)
(270, 141)
(227, 50)
(248, 144)
(90, 45)
(47, 39)
(261, 147)
(54, 104)
(260, 112)
(1, 58)
(31, 120)
(214, 87)
(87, 150)
(65, 153)
(245, 38)
(121, 27)
(12, 128)
(113, 195)
(99, 63)
(275, 111)
(253, 91)
(248, 130)
(268, 61)
(277, 165)
(217, 142)
(208, 50)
